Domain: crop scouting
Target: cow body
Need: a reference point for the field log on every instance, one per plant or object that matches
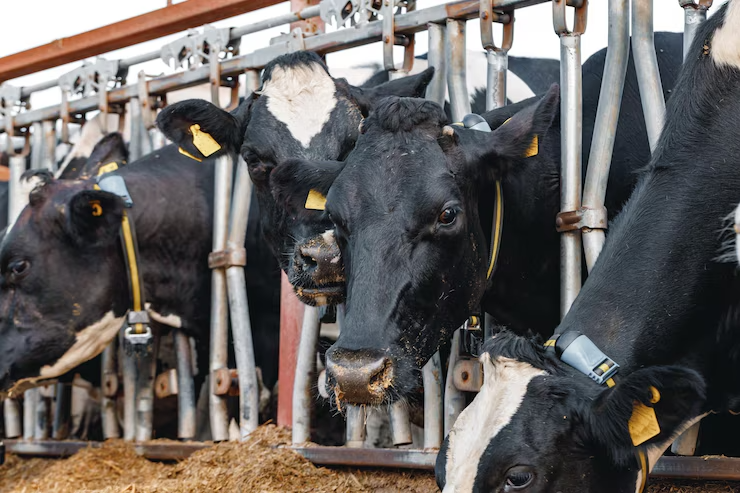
(657, 302)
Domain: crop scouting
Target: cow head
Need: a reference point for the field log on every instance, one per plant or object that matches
(538, 425)
(405, 209)
(51, 322)
(300, 111)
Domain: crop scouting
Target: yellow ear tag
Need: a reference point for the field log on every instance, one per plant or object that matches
(97, 209)
(534, 147)
(203, 141)
(107, 168)
(186, 153)
(643, 424)
(315, 201)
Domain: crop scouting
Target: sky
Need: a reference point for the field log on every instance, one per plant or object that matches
(533, 36)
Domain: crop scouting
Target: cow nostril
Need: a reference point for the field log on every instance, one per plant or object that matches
(308, 260)
(382, 378)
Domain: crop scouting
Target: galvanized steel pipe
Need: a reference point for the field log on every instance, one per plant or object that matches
(130, 376)
(400, 423)
(17, 199)
(62, 410)
(646, 67)
(43, 414)
(695, 13)
(498, 65)
(436, 57)
(605, 129)
(454, 399)
(355, 426)
(146, 373)
(433, 422)
(110, 390)
(456, 83)
(305, 375)
(219, 414)
(186, 421)
(12, 418)
(30, 400)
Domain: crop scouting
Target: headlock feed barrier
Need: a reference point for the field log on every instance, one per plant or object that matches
(214, 56)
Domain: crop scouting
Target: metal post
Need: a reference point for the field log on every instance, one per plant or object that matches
(30, 400)
(17, 200)
(437, 88)
(456, 84)
(43, 413)
(130, 373)
(605, 129)
(646, 67)
(185, 387)
(62, 410)
(571, 125)
(146, 373)
(215, 74)
(498, 57)
(110, 391)
(237, 288)
(400, 423)
(454, 399)
(432, 376)
(695, 13)
(355, 426)
(12, 417)
(304, 376)
(219, 414)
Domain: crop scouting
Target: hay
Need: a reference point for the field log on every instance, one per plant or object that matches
(254, 466)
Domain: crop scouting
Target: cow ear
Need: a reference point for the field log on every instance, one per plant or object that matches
(412, 86)
(303, 183)
(93, 218)
(203, 129)
(652, 405)
(518, 138)
(110, 149)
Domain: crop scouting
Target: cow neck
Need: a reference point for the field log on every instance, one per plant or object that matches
(138, 331)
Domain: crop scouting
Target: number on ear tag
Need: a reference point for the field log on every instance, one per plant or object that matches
(203, 141)
(97, 209)
(315, 201)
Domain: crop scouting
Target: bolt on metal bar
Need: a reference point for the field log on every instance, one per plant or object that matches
(186, 422)
(456, 83)
(695, 13)
(433, 422)
(219, 414)
(605, 129)
(241, 327)
(305, 375)
(646, 67)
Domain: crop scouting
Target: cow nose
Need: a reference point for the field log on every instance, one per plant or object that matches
(359, 376)
(319, 257)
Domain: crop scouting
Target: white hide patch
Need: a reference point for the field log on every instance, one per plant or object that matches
(170, 320)
(505, 383)
(301, 97)
(725, 47)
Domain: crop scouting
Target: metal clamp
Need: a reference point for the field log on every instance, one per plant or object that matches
(387, 11)
(582, 218)
(486, 29)
(138, 343)
(471, 337)
(338, 11)
(193, 50)
(227, 258)
(559, 22)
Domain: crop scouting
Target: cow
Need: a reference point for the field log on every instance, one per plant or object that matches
(412, 205)
(64, 290)
(657, 303)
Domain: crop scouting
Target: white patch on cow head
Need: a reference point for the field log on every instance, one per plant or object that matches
(505, 383)
(302, 97)
(170, 320)
(725, 47)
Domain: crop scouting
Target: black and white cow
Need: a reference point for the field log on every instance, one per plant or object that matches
(300, 111)
(657, 302)
(64, 290)
(412, 208)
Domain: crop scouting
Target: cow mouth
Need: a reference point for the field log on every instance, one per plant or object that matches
(331, 294)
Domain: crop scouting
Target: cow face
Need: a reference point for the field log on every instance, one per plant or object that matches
(300, 111)
(538, 425)
(405, 209)
(56, 266)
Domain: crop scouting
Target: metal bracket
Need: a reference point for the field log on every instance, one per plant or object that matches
(11, 103)
(92, 77)
(227, 258)
(486, 29)
(193, 50)
(582, 218)
(695, 4)
(165, 384)
(338, 11)
(560, 23)
(293, 41)
(388, 10)
(225, 381)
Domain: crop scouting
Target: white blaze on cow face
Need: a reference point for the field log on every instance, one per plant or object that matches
(302, 97)
(505, 384)
(725, 47)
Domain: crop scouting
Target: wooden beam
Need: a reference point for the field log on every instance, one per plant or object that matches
(145, 27)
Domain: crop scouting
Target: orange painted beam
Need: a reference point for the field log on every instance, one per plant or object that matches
(145, 27)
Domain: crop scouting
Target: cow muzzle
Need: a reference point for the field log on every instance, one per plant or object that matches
(359, 377)
(318, 268)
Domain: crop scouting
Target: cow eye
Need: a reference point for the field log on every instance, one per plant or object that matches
(19, 267)
(518, 478)
(447, 216)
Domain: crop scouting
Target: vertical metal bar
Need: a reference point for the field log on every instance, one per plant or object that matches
(432, 376)
(305, 375)
(570, 174)
(62, 410)
(146, 368)
(43, 413)
(17, 200)
(356, 418)
(50, 139)
(215, 74)
(646, 67)
(30, 400)
(437, 88)
(456, 84)
(185, 387)
(238, 304)
(607, 117)
(110, 390)
(37, 145)
(130, 375)
(498, 65)
(219, 311)
(12, 417)
(695, 13)
(400, 423)
(454, 399)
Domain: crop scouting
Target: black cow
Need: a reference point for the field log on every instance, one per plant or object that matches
(300, 111)
(414, 235)
(64, 290)
(657, 302)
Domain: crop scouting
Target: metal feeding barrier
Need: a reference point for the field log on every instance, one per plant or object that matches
(212, 56)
